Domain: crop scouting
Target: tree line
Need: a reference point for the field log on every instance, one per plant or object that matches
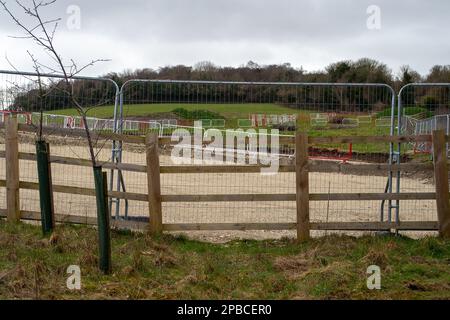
(360, 71)
(95, 93)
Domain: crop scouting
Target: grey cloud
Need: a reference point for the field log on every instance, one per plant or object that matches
(308, 33)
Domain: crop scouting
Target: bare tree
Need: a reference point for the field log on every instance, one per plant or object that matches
(42, 32)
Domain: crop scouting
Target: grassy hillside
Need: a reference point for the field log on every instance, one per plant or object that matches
(172, 267)
(228, 110)
(232, 112)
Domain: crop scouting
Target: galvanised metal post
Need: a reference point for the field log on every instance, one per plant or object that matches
(117, 156)
(114, 146)
(392, 157)
(391, 160)
(448, 131)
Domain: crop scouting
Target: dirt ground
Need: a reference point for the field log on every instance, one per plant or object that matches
(224, 212)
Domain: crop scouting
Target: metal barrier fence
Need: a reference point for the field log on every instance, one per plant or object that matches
(32, 93)
(414, 126)
(320, 109)
(284, 201)
(259, 104)
(423, 108)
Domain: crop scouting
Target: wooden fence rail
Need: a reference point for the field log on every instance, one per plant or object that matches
(303, 166)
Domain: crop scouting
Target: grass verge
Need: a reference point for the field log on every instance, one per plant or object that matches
(173, 267)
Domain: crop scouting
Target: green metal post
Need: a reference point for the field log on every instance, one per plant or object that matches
(104, 236)
(45, 186)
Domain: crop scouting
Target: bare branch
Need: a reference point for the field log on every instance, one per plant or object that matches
(44, 38)
(90, 64)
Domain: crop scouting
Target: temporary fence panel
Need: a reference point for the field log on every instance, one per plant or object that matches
(423, 108)
(225, 206)
(319, 109)
(51, 99)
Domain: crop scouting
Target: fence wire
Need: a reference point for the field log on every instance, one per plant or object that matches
(30, 93)
(314, 106)
(222, 183)
(424, 107)
(158, 106)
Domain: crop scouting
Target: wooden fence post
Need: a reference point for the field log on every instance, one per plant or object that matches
(12, 169)
(302, 186)
(154, 184)
(441, 180)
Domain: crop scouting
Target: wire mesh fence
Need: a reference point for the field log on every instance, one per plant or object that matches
(321, 110)
(55, 102)
(423, 108)
(260, 105)
(28, 92)
(223, 183)
(64, 175)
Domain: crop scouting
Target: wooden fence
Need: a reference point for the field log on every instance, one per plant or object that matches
(303, 166)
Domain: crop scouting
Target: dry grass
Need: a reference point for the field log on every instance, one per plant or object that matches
(173, 267)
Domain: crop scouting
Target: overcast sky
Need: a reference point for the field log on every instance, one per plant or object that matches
(307, 33)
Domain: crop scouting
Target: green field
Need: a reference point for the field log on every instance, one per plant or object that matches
(227, 110)
(173, 267)
(232, 112)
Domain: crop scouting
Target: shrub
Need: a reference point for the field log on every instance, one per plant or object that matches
(430, 103)
(338, 119)
(196, 114)
(408, 111)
